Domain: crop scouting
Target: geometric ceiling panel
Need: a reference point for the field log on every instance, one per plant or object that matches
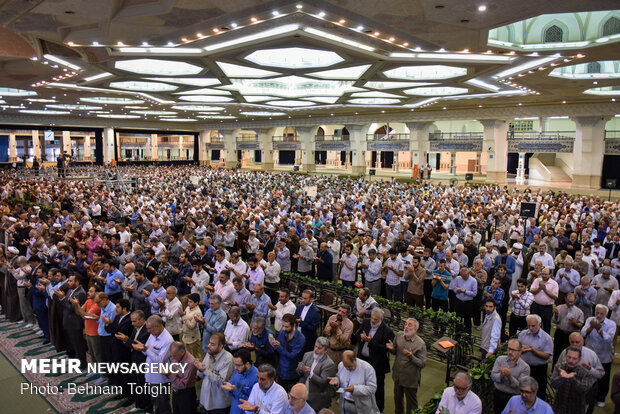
(391, 85)
(374, 94)
(353, 72)
(258, 98)
(606, 69)
(291, 87)
(110, 100)
(158, 67)
(374, 101)
(203, 91)
(324, 99)
(16, 92)
(436, 91)
(290, 103)
(197, 108)
(604, 91)
(238, 71)
(205, 98)
(430, 72)
(75, 107)
(262, 113)
(143, 86)
(189, 81)
(294, 58)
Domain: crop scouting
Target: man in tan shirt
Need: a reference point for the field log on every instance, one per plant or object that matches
(338, 330)
(415, 273)
(410, 352)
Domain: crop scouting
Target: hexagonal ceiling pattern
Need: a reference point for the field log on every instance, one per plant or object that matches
(293, 60)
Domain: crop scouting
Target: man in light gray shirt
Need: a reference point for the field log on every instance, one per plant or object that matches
(507, 372)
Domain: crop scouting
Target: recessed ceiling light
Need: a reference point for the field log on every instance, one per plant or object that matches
(360, 27)
(391, 39)
(482, 8)
(322, 14)
(253, 19)
(95, 43)
(299, 6)
(342, 21)
(233, 25)
(376, 33)
(275, 13)
(405, 44)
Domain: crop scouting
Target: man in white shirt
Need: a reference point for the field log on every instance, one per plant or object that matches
(200, 279)
(266, 396)
(170, 313)
(544, 257)
(284, 306)
(224, 288)
(334, 249)
(237, 330)
(459, 399)
(254, 274)
(272, 271)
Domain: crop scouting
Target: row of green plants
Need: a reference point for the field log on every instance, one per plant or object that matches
(27, 203)
(397, 308)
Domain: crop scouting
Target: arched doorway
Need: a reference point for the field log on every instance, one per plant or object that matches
(387, 157)
(288, 157)
(320, 157)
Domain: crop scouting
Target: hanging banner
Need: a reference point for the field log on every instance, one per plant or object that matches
(394, 146)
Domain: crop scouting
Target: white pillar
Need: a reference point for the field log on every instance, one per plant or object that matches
(230, 146)
(420, 145)
(347, 163)
(357, 136)
(203, 154)
(307, 136)
(588, 151)
(453, 163)
(65, 142)
(181, 153)
(12, 147)
(108, 145)
(87, 156)
(496, 145)
(36, 145)
(265, 135)
(521, 169)
(395, 165)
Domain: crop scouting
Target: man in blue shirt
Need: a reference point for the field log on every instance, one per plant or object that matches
(441, 282)
(107, 315)
(289, 345)
(465, 288)
(112, 288)
(324, 263)
(214, 320)
(243, 379)
(184, 270)
(259, 343)
(527, 402)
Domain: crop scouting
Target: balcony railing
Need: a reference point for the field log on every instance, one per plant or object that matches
(541, 136)
(388, 137)
(247, 138)
(217, 140)
(612, 135)
(455, 136)
(331, 137)
(285, 138)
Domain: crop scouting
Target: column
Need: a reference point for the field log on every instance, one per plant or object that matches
(521, 169)
(230, 146)
(378, 161)
(108, 145)
(420, 144)
(65, 142)
(478, 163)
(265, 136)
(347, 164)
(307, 136)
(181, 152)
(154, 147)
(496, 145)
(395, 165)
(36, 144)
(12, 147)
(588, 151)
(453, 163)
(87, 156)
(204, 155)
(357, 136)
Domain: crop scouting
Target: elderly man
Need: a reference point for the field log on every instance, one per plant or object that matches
(545, 291)
(170, 311)
(260, 343)
(237, 330)
(372, 339)
(298, 401)
(544, 257)
(410, 351)
(571, 381)
(364, 304)
(156, 350)
(465, 287)
(357, 384)
(459, 399)
(183, 383)
(568, 318)
(527, 402)
(537, 350)
(314, 370)
(324, 263)
(568, 279)
(507, 371)
(215, 369)
(599, 333)
(604, 285)
(415, 274)
(214, 320)
(338, 330)
(586, 297)
(258, 303)
(265, 393)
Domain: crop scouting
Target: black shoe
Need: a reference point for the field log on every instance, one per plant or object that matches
(46, 342)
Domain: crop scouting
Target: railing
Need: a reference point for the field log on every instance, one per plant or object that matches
(247, 138)
(331, 137)
(217, 140)
(541, 136)
(455, 136)
(612, 134)
(392, 136)
(285, 138)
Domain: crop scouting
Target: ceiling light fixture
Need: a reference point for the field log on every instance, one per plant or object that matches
(482, 8)
(260, 35)
(338, 39)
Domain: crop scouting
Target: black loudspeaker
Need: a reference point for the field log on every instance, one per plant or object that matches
(295, 167)
(372, 172)
(528, 210)
(611, 183)
(469, 177)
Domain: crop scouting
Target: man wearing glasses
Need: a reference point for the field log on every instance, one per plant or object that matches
(527, 402)
(507, 372)
(459, 399)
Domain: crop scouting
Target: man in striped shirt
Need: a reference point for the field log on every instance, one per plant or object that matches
(521, 300)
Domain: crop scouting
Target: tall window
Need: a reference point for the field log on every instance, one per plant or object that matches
(594, 67)
(611, 26)
(553, 34)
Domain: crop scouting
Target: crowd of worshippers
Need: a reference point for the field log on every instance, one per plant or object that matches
(192, 274)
